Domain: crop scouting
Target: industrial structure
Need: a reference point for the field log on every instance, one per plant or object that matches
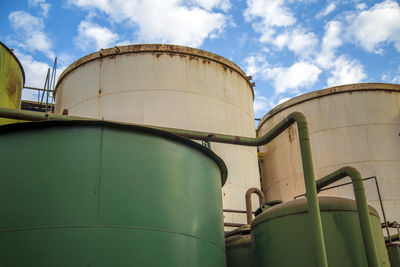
(151, 153)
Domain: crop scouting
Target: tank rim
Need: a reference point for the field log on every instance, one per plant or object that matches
(299, 206)
(155, 48)
(347, 88)
(16, 127)
(16, 59)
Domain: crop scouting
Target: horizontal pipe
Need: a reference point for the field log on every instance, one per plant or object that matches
(37, 89)
(235, 211)
(362, 208)
(305, 150)
(196, 135)
(229, 224)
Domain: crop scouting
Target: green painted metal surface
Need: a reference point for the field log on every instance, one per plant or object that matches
(11, 81)
(239, 251)
(282, 237)
(394, 254)
(107, 195)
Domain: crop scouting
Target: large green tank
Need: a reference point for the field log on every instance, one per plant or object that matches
(12, 79)
(282, 235)
(87, 193)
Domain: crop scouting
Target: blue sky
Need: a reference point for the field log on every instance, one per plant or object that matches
(289, 47)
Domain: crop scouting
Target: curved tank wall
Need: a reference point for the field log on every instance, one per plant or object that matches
(171, 86)
(101, 194)
(357, 125)
(281, 235)
(12, 79)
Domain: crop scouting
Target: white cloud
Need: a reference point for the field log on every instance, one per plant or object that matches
(45, 7)
(35, 73)
(300, 74)
(346, 71)
(377, 25)
(329, 9)
(361, 6)
(30, 33)
(285, 80)
(91, 34)
(283, 100)
(225, 5)
(330, 42)
(260, 104)
(255, 64)
(167, 21)
(391, 76)
(267, 15)
(296, 40)
(396, 79)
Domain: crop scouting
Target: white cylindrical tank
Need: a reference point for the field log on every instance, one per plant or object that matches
(356, 125)
(171, 86)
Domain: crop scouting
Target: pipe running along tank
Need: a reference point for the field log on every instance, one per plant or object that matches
(356, 125)
(12, 79)
(281, 235)
(85, 193)
(170, 86)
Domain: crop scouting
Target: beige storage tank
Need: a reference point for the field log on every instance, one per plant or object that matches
(356, 124)
(171, 86)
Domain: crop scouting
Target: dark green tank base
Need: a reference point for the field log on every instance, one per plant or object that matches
(394, 254)
(96, 194)
(239, 251)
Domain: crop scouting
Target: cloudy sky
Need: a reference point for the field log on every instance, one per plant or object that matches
(289, 47)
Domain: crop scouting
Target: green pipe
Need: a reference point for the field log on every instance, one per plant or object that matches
(362, 208)
(305, 149)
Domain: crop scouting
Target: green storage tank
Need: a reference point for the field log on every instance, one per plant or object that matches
(91, 193)
(12, 79)
(282, 236)
(238, 247)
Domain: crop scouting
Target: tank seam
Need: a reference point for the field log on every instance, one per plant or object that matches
(100, 171)
(147, 90)
(109, 226)
(349, 126)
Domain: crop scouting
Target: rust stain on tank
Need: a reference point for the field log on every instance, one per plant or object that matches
(13, 84)
(291, 133)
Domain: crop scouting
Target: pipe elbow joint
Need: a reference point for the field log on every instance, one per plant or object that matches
(352, 172)
(296, 116)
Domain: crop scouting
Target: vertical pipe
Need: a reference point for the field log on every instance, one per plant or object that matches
(362, 208)
(311, 189)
